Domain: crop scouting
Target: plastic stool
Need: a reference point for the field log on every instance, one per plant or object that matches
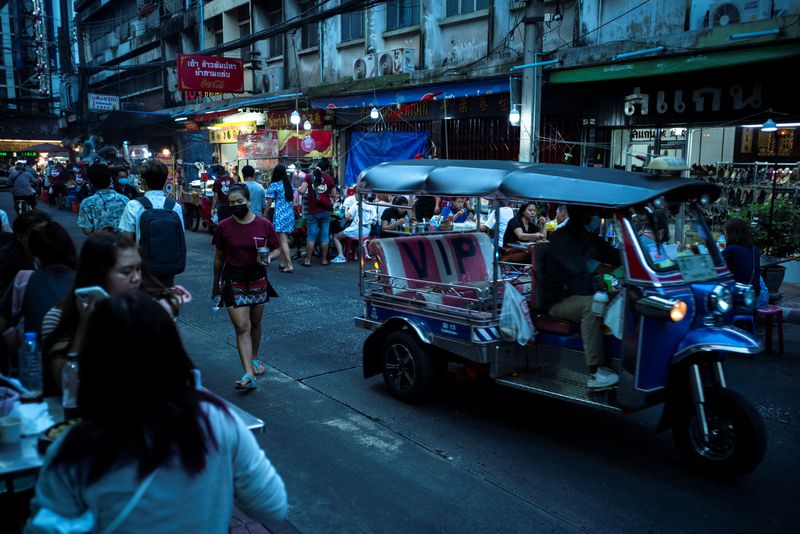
(351, 249)
(768, 313)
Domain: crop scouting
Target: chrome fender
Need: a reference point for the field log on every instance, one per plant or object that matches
(717, 339)
(372, 363)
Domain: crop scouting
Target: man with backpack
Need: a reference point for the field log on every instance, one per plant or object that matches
(156, 222)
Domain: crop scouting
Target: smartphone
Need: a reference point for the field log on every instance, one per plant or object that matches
(87, 293)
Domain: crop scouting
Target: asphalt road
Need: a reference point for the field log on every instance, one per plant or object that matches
(478, 458)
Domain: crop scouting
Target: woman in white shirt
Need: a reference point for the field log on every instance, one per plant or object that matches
(152, 452)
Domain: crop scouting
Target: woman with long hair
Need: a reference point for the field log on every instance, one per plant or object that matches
(281, 192)
(240, 277)
(524, 227)
(152, 450)
(110, 261)
(742, 256)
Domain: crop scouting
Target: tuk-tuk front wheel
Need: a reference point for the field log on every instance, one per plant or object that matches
(736, 440)
(408, 370)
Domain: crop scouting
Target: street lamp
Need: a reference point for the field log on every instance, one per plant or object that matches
(307, 125)
(374, 113)
(514, 116)
(295, 118)
(769, 126)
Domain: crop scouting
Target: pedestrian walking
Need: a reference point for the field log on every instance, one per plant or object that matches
(220, 203)
(123, 186)
(320, 188)
(57, 184)
(103, 210)
(246, 244)
(280, 192)
(258, 204)
(160, 232)
(152, 451)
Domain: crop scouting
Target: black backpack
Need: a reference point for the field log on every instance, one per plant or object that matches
(161, 239)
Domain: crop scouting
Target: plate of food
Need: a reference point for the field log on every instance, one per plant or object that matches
(53, 433)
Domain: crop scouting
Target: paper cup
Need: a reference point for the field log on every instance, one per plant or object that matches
(10, 430)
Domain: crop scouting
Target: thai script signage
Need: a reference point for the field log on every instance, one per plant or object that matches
(699, 100)
(229, 132)
(210, 74)
(98, 102)
(279, 119)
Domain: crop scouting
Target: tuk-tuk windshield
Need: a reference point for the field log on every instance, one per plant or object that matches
(676, 237)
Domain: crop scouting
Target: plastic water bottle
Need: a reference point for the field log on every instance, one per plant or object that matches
(69, 386)
(30, 364)
(599, 302)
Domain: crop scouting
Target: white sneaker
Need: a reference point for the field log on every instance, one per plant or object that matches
(339, 259)
(603, 378)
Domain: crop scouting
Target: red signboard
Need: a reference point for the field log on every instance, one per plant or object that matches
(210, 73)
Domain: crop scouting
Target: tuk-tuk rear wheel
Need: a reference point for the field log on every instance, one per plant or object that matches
(408, 369)
(737, 438)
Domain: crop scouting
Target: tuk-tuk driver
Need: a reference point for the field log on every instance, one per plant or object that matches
(575, 257)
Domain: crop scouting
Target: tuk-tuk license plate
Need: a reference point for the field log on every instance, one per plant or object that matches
(696, 268)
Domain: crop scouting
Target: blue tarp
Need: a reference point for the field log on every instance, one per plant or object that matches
(414, 94)
(195, 147)
(370, 148)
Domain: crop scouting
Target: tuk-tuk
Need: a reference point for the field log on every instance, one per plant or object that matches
(433, 297)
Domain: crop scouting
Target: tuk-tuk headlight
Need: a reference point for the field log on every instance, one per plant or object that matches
(744, 296)
(720, 300)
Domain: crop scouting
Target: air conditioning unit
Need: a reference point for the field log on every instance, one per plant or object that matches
(396, 61)
(272, 79)
(737, 11)
(364, 67)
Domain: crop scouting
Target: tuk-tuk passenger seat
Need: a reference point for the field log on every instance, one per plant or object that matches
(542, 321)
(420, 266)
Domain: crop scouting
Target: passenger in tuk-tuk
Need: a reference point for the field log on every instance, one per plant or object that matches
(568, 286)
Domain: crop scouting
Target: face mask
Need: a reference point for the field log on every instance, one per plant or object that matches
(123, 181)
(240, 211)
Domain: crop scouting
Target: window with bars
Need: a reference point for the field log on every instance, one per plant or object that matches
(276, 41)
(352, 26)
(464, 7)
(309, 35)
(402, 14)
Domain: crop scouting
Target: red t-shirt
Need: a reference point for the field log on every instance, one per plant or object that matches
(322, 191)
(236, 242)
(221, 187)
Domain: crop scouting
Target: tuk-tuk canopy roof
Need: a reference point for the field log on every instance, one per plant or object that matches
(563, 184)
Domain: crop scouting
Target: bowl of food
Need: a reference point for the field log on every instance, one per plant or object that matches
(53, 433)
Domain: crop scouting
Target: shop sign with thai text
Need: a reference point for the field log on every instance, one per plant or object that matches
(98, 102)
(229, 132)
(666, 134)
(210, 74)
(280, 119)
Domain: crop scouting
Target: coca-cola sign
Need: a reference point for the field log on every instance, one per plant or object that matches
(210, 74)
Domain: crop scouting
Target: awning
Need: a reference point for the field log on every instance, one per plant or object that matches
(414, 94)
(49, 148)
(128, 120)
(674, 64)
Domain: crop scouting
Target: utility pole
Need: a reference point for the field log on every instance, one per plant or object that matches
(531, 84)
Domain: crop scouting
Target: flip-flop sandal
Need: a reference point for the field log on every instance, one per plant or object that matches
(304, 264)
(251, 382)
(256, 364)
(288, 271)
(281, 268)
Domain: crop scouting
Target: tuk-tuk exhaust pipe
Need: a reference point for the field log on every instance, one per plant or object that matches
(699, 398)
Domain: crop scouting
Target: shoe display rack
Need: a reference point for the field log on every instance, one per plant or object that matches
(747, 185)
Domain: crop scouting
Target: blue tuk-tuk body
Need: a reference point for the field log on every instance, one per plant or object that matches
(434, 297)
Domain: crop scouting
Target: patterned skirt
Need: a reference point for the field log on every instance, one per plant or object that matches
(245, 286)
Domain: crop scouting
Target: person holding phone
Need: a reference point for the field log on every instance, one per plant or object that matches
(108, 265)
(240, 276)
